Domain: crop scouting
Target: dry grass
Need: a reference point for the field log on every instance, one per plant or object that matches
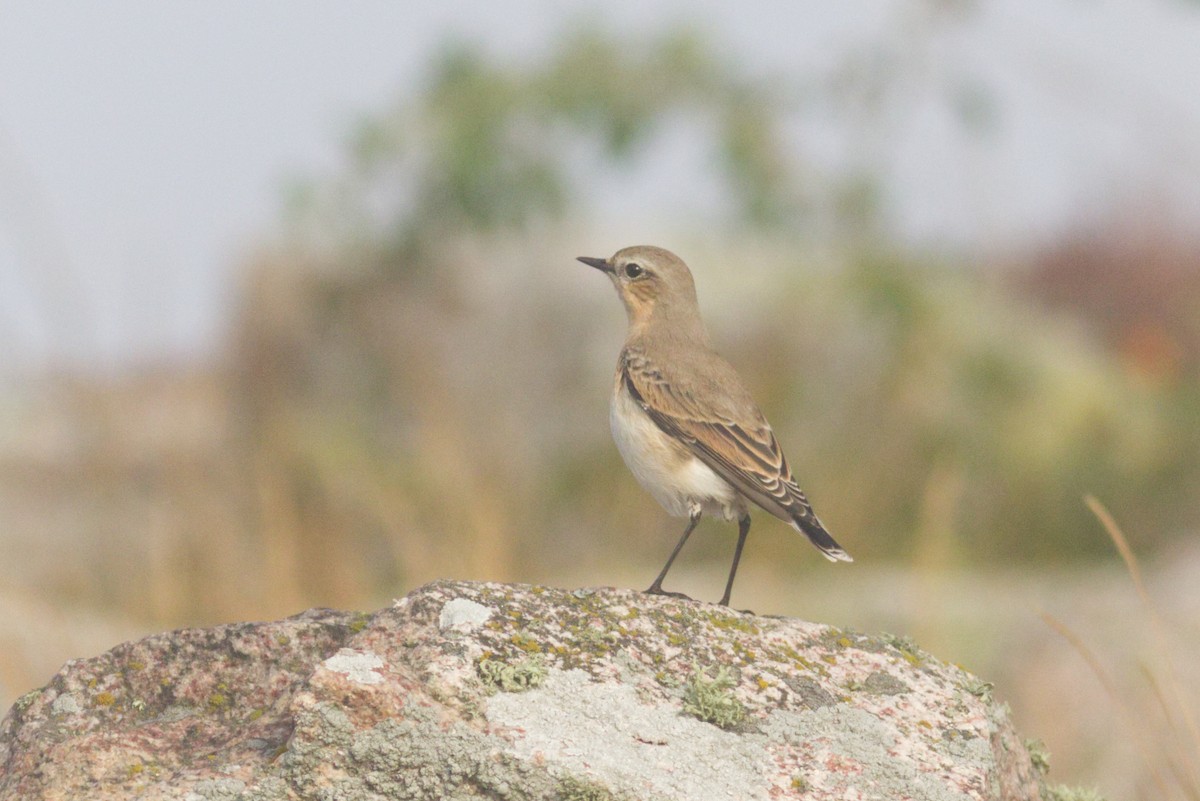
(1166, 734)
(368, 433)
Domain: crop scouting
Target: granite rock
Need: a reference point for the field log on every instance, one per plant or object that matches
(471, 691)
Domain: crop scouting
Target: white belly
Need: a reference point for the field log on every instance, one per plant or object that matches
(679, 481)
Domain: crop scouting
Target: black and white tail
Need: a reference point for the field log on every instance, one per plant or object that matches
(810, 526)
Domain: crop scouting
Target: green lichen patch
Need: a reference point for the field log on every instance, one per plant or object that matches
(712, 699)
(725, 621)
(22, 704)
(499, 676)
(908, 649)
(881, 682)
(1039, 756)
(1060, 792)
(979, 689)
(574, 788)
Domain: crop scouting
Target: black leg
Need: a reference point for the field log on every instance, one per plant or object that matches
(743, 530)
(656, 587)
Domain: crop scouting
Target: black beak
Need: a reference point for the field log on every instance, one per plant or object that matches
(600, 264)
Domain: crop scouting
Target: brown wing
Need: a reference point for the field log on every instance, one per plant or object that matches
(743, 451)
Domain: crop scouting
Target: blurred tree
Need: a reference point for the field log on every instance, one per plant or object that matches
(414, 388)
(397, 360)
(487, 147)
(363, 349)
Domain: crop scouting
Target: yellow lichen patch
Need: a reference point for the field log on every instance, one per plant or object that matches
(256, 714)
(218, 701)
(104, 699)
(788, 652)
(134, 770)
(729, 622)
(809, 666)
(526, 643)
(135, 665)
(844, 642)
(747, 654)
(283, 639)
(763, 683)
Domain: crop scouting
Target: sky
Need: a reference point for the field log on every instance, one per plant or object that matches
(145, 146)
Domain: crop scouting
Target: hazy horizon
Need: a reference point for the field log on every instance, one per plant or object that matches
(145, 148)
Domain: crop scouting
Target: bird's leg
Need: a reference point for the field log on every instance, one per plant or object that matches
(656, 587)
(743, 530)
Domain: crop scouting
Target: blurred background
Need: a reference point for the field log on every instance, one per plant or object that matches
(291, 317)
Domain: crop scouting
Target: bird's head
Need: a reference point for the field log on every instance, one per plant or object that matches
(654, 284)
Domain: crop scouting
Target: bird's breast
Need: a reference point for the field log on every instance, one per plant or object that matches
(664, 467)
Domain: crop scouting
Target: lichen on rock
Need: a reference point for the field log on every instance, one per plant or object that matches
(466, 690)
(710, 699)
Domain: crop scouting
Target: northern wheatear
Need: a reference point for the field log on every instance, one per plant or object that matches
(682, 419)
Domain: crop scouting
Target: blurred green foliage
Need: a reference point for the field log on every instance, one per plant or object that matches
(1023, 409)
(417, 380)
(929, 409)
(488, 147)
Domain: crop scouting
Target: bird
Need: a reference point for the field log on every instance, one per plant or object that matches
(683, 420)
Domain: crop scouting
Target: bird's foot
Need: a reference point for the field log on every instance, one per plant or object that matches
(725, 602)
(656, 589)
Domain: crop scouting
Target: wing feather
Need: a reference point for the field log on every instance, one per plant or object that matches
(744, 452)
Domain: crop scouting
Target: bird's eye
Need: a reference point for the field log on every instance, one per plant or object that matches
(633, 270)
